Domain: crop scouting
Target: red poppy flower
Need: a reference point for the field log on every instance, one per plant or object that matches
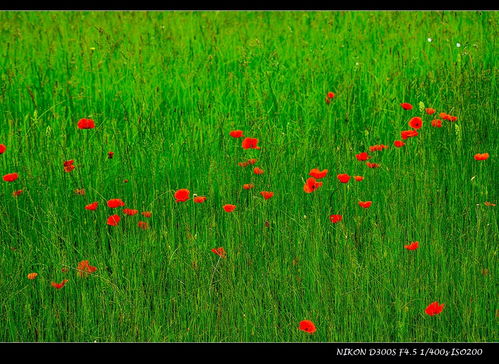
(199, 199)
(416, 122)
(444, 116)
(248, 186)
(362, 156)
(437, 123)
(408, 134)
(229, 207)
(110, 155)
(143, 225)
(372, 165)
(220, 252)
(243, 164)
(68, 166)
(236, 133)
(335, 218)
(307, 326)
(32, 275)
(92, 206)
(11, 177)
(317, 173)
(452, 118)
(365, 204)
(343, 178)
(406, 106)
(358, 178)
(80, 191)
(434, 308)
(412, 246)
(252, 161)
(267, 194)
(250, 143)
(147, 213)
(481, 156)
(487, 203)
(398, 143)
(84, 268)
(3, 148)
(311, 185)
(378, 147)
(130, 212)
(59, 285)
(115, 202)
(86, 124)
(17, 193)
(182, 195)
(328, 100)
(258, 170)
(330, 95)
(113, 220)
(430, 111)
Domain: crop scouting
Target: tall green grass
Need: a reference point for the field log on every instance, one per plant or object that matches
(165, 88)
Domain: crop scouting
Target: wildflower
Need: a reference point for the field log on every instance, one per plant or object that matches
(17, 193)
(258, 170)
(330, 95)
(434, 308)
(84, 269)
(220, 252)
(236, 133)
(92, 206)
(229, 207)
(487, 203)
(481, 156)
(362, 156)
(115, 202)
(182, 195)
(307, 326)
(80, 191)
(32, 275)
(406, 106)
(437, 123)
(86, 124)
(113, 220)
(343, 178)
(430, 111)
(412, 246)
(267, 194)
(143, 225)
(3, 148)
(248, 186)
(317, 173)
(335, 218)
(358, 178)
(408, 134)
(311, 185)
(365, 204)
(147, 213)
(416, 122)
(252, 161)
(130, 212)
(11, 177)
(398, 143)
(110, 155)
(243, 164)
(250, 143)
(199, 199)
(59, 285)
(378, 147)
(372, 165)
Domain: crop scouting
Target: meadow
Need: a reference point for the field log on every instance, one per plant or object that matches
(163, 91)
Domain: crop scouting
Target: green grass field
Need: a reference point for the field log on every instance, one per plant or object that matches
(165, 89)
